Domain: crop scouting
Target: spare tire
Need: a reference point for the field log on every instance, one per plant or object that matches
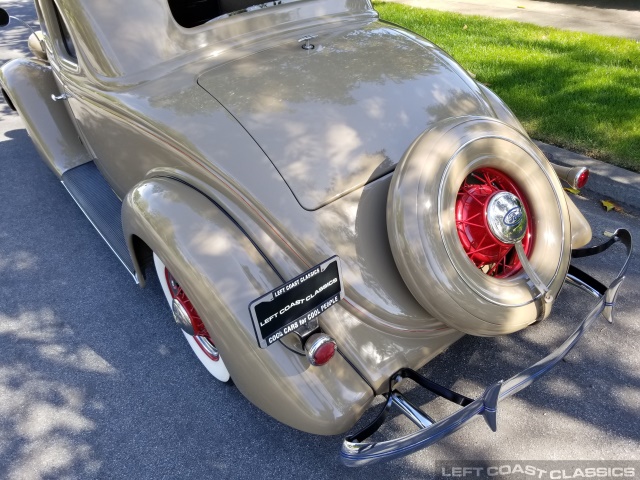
(445, 250)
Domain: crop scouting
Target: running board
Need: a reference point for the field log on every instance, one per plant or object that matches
(102, 207)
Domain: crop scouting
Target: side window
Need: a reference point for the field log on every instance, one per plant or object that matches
(64, 34)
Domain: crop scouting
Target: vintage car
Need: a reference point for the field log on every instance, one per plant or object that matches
(329, 201)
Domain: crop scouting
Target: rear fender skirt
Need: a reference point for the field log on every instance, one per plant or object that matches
(223, 271)
(29, 84)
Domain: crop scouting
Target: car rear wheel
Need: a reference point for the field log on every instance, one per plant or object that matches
(457, 194)
(200, 342)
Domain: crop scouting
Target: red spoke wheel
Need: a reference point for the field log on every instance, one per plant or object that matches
(199, 331)
(192, 326)
(489, 254)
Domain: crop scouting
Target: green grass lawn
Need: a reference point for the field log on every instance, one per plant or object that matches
(574, 90)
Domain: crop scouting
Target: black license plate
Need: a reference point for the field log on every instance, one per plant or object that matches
(292, 305)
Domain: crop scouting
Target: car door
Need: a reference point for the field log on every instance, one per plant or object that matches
(122, 152)
(101, 133)
(63, 57)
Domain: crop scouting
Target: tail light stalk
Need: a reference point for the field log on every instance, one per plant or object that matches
(576, 177)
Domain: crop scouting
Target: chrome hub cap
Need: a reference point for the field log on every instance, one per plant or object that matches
(187, 318)
(181, 316)
(506, 218)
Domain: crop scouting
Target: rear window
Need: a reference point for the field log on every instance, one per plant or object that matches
(191, 13)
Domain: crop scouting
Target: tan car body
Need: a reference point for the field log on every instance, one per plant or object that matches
(241, 163)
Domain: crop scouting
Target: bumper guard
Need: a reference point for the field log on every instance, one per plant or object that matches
(357, 452)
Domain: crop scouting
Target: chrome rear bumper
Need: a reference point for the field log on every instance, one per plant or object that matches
(357, 452)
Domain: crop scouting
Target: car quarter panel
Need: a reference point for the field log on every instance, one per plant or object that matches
(29, 84)
(162, 129)
(581, 233)
(173, 128)
(222, 271)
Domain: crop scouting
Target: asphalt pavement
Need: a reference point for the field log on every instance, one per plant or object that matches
(96, 381)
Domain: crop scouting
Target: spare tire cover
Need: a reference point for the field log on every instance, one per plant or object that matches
(438, 231)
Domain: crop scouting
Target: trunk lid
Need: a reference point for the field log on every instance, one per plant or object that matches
(338, 116)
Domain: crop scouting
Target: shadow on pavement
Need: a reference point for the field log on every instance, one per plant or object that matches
(14, 36)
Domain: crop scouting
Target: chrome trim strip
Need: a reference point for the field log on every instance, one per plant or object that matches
(132, 273)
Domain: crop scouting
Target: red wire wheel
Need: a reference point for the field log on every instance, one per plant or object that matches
(190, 323)
(200, 333)
(440, 223)
(493, 257)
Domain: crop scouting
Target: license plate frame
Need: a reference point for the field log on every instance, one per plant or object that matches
(292, 305)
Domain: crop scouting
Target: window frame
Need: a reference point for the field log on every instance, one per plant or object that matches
(55, 28)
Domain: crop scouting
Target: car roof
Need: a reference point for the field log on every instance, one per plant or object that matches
(126, 37)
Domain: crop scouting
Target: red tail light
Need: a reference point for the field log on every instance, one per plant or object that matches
(582, 178)
(320, 349)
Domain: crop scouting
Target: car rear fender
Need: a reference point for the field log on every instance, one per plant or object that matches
(28, 85)
(580, 229)
(501, 110)
(223, 271)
